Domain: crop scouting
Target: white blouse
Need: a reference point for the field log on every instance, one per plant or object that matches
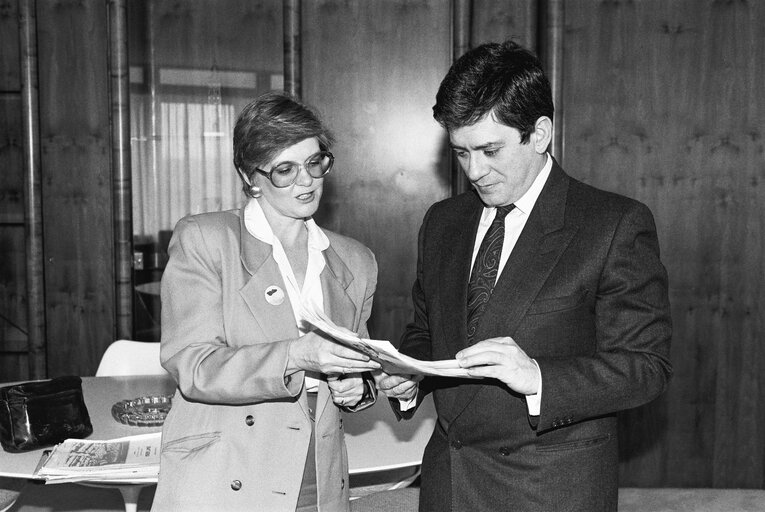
(310, 294)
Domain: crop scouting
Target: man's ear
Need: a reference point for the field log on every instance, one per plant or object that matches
(542, 135)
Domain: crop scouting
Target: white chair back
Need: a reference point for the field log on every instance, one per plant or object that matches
(127, 357)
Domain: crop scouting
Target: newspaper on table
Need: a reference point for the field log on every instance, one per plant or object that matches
(382, 351)
(133, 459)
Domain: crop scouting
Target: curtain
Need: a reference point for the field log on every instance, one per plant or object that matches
(187, 167)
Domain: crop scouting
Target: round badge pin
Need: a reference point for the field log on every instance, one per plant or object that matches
(274, 295)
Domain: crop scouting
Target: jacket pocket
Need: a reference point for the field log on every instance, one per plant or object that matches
(575, 444)
(557, 303)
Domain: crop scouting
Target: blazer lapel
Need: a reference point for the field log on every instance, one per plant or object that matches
(335, 280)
(275, 319)
(338, 306)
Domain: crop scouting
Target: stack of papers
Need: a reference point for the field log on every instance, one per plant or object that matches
(133, 459)
(382, 351)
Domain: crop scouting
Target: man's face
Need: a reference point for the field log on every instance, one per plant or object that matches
(500, 168)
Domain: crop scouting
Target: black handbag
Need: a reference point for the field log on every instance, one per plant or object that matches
(42, 413)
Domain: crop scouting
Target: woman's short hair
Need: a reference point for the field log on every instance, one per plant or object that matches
(270, 124)
(503, 79)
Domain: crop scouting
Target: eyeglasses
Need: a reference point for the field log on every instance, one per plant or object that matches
(286, 173)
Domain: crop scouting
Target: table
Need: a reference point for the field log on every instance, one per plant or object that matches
(375, 440)
(100, 394)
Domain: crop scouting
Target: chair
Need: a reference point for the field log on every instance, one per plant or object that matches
(127, 357)
(363, 484)
(10, 489)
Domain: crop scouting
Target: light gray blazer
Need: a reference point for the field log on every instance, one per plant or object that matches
(237, 435)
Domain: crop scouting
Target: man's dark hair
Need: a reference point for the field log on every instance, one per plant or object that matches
(504, 79)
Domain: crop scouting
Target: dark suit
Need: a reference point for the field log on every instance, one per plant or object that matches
(585, 294)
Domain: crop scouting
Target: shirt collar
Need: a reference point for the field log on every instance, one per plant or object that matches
(527, 201)
(257, 225)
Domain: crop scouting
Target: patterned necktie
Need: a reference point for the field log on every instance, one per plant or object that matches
(485, 270)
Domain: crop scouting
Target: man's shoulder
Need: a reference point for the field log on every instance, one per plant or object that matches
(587, 204)
(456, 206)
(598, 199)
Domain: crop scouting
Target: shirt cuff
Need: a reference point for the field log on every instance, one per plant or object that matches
(534, 402)
(405, 405)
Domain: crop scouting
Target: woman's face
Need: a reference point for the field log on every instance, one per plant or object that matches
(299, 200)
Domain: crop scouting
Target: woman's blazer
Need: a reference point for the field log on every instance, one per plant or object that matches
(237, 435)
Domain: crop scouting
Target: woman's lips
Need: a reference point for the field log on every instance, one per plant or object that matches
(306, 197)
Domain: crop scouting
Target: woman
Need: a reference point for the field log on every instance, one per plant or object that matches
(255, 422)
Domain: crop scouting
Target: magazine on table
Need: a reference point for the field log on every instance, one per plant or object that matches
(383, 351)
(133, 458)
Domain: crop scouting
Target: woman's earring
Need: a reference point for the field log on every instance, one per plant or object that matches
(255, 191)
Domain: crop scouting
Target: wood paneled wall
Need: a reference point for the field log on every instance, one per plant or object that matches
(662, 101)
(77, 189)
(13, 314)
(373, 68)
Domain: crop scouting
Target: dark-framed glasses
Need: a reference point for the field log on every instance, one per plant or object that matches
(284, 174)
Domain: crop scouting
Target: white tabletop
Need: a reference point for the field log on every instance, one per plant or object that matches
(375, 440)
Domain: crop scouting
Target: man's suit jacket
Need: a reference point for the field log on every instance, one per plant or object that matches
(237, 435)
(585, 294)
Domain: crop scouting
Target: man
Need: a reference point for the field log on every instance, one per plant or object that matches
(549, 292)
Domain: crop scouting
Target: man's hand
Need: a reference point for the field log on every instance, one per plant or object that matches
(502, 359)
(403, 387)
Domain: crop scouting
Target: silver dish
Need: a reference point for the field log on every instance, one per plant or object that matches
(144, 411)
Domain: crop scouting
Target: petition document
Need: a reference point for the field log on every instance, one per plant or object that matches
(383, 351)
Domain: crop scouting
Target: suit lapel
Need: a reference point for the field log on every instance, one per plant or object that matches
(454, 271)
(538, 249)
(543, 240)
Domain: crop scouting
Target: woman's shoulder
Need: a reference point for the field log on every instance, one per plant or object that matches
(211, 221)
(347, 247)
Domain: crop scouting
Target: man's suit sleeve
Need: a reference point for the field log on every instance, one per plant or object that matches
(415, 341)
(633, 329)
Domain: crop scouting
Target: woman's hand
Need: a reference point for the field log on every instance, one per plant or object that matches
(315, 353)
(346, 390)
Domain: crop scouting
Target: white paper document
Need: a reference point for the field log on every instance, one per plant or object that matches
(383, 351)
(134, 459)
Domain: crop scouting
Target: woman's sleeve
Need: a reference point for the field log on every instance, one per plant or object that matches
(194, 346)
(369, 293)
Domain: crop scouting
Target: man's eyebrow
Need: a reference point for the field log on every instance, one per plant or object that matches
(487, 145)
